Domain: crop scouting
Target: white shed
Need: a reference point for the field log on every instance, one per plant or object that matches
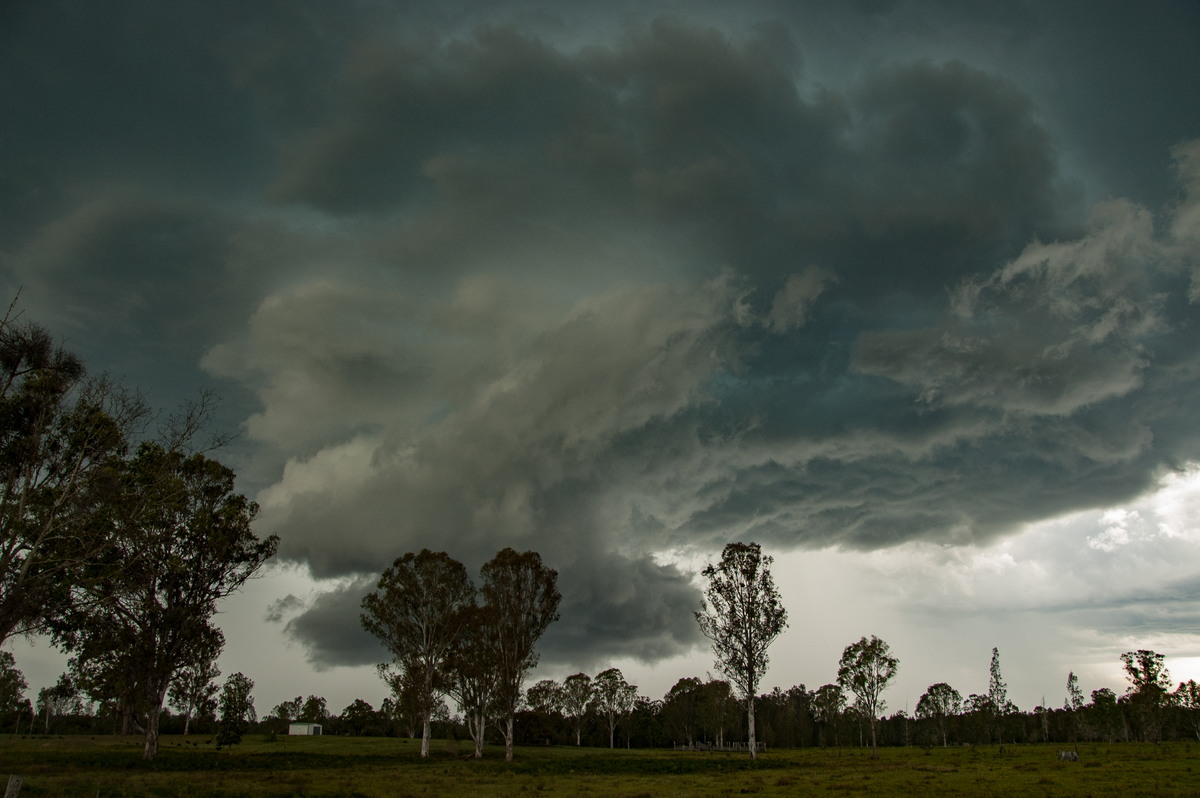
(306, 729)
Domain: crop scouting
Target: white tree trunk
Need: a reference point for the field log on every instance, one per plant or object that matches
(425, 738)
(750, 725)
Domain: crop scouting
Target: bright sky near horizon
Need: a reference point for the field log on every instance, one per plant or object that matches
(906, 292)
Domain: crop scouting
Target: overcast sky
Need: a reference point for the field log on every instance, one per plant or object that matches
(906, 292)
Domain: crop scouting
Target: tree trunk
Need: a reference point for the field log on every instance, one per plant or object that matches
(477, 734)
(150, 751)
(187, 723)
(874, 747)
(508, 739)
(425, 738)
(612, 730)
(750, 725)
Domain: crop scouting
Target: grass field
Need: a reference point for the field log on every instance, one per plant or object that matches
(330, 766)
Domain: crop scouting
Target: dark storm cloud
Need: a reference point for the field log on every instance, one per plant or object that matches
(482, 276)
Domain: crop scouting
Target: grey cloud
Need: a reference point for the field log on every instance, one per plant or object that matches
(330, 630)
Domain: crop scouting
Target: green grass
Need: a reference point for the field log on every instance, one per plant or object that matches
(329, 766)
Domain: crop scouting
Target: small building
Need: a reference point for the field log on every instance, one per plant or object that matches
(305, 729)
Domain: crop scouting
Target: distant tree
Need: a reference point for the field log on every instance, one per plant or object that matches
(681, 708)
(742, 614)
(288, 711)
(407, 705)
(182, 541)
(938, 704)
(1187, 697)
(828, 703)
(236, 709)
(357, 716)
(521, 598)
(416, 611)
(717, 707)
(865, 669)
(613, 699)
(60, 700)
(1105, 712)
(61, 437)
(578, 694)
(1149, 689)
(1074, 703)
(12, 687)
(545, 696)
(194, 691)
(472, 673)
(314, 710)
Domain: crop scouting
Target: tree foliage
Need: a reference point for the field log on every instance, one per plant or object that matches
(181, 540)
(61, 438)
(578, 693)
(865, 669)
(236, 708)
(418, 611)
(742, 614)
(613, 699)
(938, 704)
(521, 598)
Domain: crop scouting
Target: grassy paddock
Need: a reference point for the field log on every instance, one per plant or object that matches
(332, 766)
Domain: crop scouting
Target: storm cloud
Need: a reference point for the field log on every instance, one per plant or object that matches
(624, 292)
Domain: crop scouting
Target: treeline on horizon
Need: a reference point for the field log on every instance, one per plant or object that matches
(695, 712)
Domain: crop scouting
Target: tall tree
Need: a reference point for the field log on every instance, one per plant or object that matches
(181, 542)
(472, 675)
(681, 708)
(61, 436)
(578, 693)
(194, 691)
(828, 703)
(1074, 702)
(237, 709)
(742, 615)
(1187, 698)
(1149, 689)
(12, 687)
(546, 697)
(938, 704)
(416, 611)
(865, 669)
(614, 699)
(521, 596)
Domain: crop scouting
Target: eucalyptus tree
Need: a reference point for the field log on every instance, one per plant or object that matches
(865, 669)
(180, 539)
(578, 695)
(472, 676)
(828, 704)
(236, 708)
(681, 708)
(62, 436)
(416, 611)
(1149, 689)
(1074, 702)
(938, 704)
(742, 614)
(521, 598)
(614, 699)
(194, 691)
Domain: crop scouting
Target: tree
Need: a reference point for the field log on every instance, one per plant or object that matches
(194, 691)
(681, 708)
(60, 700)
(578, 693)
(358, 716)
(1149, 689)
(417, 612)
(1074, 702)
(828, 703)
(742, 615)
(237, 709)
(314, 710)
(472, 680)
(521, 599)
(61, 436)
(545, 697)
(288, 711)
(1187, 697)
(613, 699)
(939, 703)
(181, 542)
(12, 686)
(865, 669)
